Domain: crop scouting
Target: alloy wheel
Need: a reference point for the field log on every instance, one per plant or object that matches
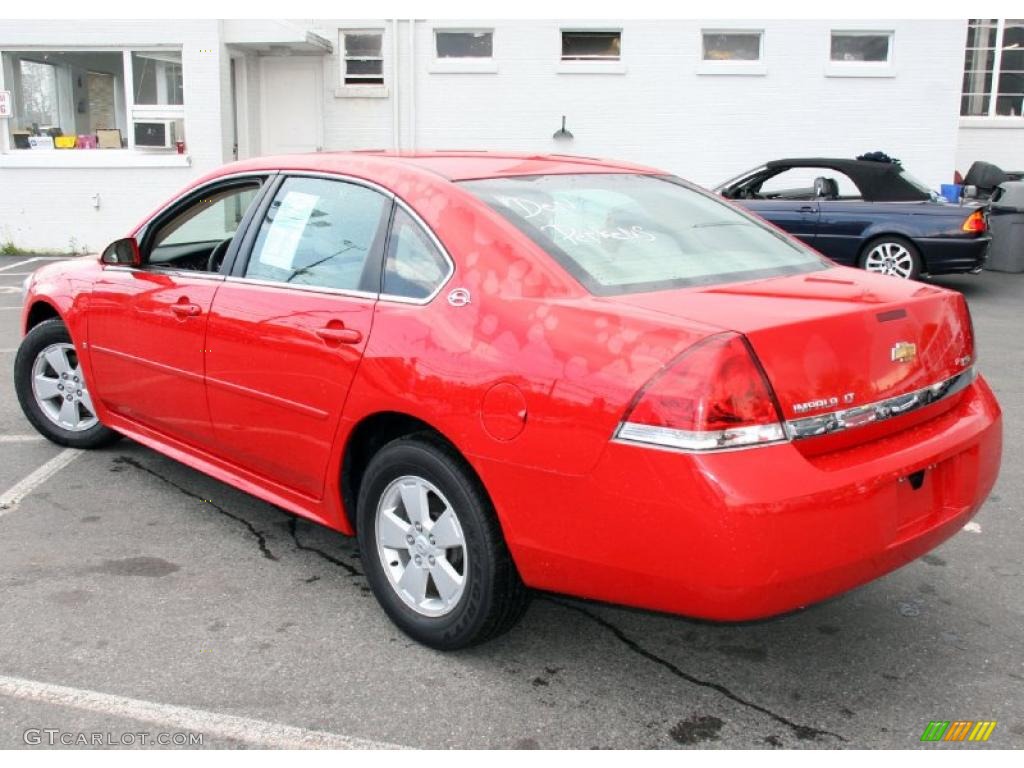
(421, 546)
(59, 388)
(890, 259)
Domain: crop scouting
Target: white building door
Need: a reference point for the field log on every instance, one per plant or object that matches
(291, 104)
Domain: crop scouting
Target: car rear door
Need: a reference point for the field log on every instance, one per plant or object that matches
(147, 324)
(290, 324)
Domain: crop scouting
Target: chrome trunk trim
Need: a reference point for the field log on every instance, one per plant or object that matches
(882, 410)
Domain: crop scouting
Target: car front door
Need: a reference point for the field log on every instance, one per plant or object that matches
(147, 324)
(289, 327)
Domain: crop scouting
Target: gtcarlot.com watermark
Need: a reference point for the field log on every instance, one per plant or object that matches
(54, 737)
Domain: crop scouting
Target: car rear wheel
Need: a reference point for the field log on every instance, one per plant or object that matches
(432, 548)
(891, 255)
(52, 389)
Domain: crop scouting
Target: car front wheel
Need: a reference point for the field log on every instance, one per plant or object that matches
(895, 256)
(52, 389)
(432, 548)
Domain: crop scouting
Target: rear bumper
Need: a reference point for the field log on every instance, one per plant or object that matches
(751, 533)
(949, 255)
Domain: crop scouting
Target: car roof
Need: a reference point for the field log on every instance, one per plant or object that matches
(877, 180)
(453, 165)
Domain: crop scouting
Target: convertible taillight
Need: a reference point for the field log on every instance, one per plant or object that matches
(975, 223)
(713, 396)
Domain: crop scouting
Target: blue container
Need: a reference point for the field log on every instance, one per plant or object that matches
(951, 192)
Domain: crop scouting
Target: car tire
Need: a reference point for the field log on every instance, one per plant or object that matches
(451, 591)
(35, 377)
(891, 255)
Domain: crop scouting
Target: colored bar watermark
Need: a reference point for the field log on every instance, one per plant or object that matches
(958, 730)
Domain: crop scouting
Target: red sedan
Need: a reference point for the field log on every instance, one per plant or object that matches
(508, 372)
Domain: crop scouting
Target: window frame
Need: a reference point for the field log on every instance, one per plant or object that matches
(463, 64)
(757, 66)
(992, 117)
(234, 271)
(837, 68)
(344, 58)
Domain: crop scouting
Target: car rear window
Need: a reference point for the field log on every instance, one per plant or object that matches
(627, 233)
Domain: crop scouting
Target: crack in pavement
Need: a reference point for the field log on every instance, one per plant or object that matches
(802, 732)
(261, 538)
(293, 529)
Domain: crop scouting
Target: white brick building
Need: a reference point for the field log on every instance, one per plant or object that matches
(703, 99)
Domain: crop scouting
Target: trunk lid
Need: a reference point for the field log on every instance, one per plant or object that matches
(834, 339)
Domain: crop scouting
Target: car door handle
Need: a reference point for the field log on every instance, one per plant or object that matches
(808, 208)
(186, 310)
(340, 335)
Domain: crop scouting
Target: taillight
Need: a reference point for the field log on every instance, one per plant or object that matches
(975, 223)
(713, 396)
(970, 355)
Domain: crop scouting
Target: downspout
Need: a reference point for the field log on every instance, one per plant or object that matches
(412, 83)
(396, 126)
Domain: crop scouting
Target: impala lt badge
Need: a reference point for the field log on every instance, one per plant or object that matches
(816, 405)
(904, 352)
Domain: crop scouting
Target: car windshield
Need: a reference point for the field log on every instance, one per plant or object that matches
(626, 233)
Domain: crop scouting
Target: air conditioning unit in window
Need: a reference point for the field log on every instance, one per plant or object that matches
(155, 134)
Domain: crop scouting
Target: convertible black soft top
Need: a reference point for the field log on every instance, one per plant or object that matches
(877, 181)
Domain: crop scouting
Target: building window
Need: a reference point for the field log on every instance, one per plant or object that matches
(463, 44)
(731, 46)
(94, 99)
(861, 47)
(993, 83)
(38, 92)
(591, 45)
(364, 57)
(156, 77)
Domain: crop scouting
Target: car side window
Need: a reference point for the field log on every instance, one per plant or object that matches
(318, 232)
(805, 183)
(414, 267)
(188, 238)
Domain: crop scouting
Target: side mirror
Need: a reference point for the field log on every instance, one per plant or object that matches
(124, 251)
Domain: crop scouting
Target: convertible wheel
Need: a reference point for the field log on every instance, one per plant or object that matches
(432, 547)
(892, 256)
(52, 390)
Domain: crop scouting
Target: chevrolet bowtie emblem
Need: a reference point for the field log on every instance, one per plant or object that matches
(903, 352)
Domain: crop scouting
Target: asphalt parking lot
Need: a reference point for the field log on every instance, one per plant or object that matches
(137, 595)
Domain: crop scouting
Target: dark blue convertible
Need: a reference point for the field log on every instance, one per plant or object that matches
(868, 213)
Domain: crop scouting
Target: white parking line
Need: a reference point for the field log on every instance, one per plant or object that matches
(20, 263)
(256, 732)
(19, 438)
(25, 486)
